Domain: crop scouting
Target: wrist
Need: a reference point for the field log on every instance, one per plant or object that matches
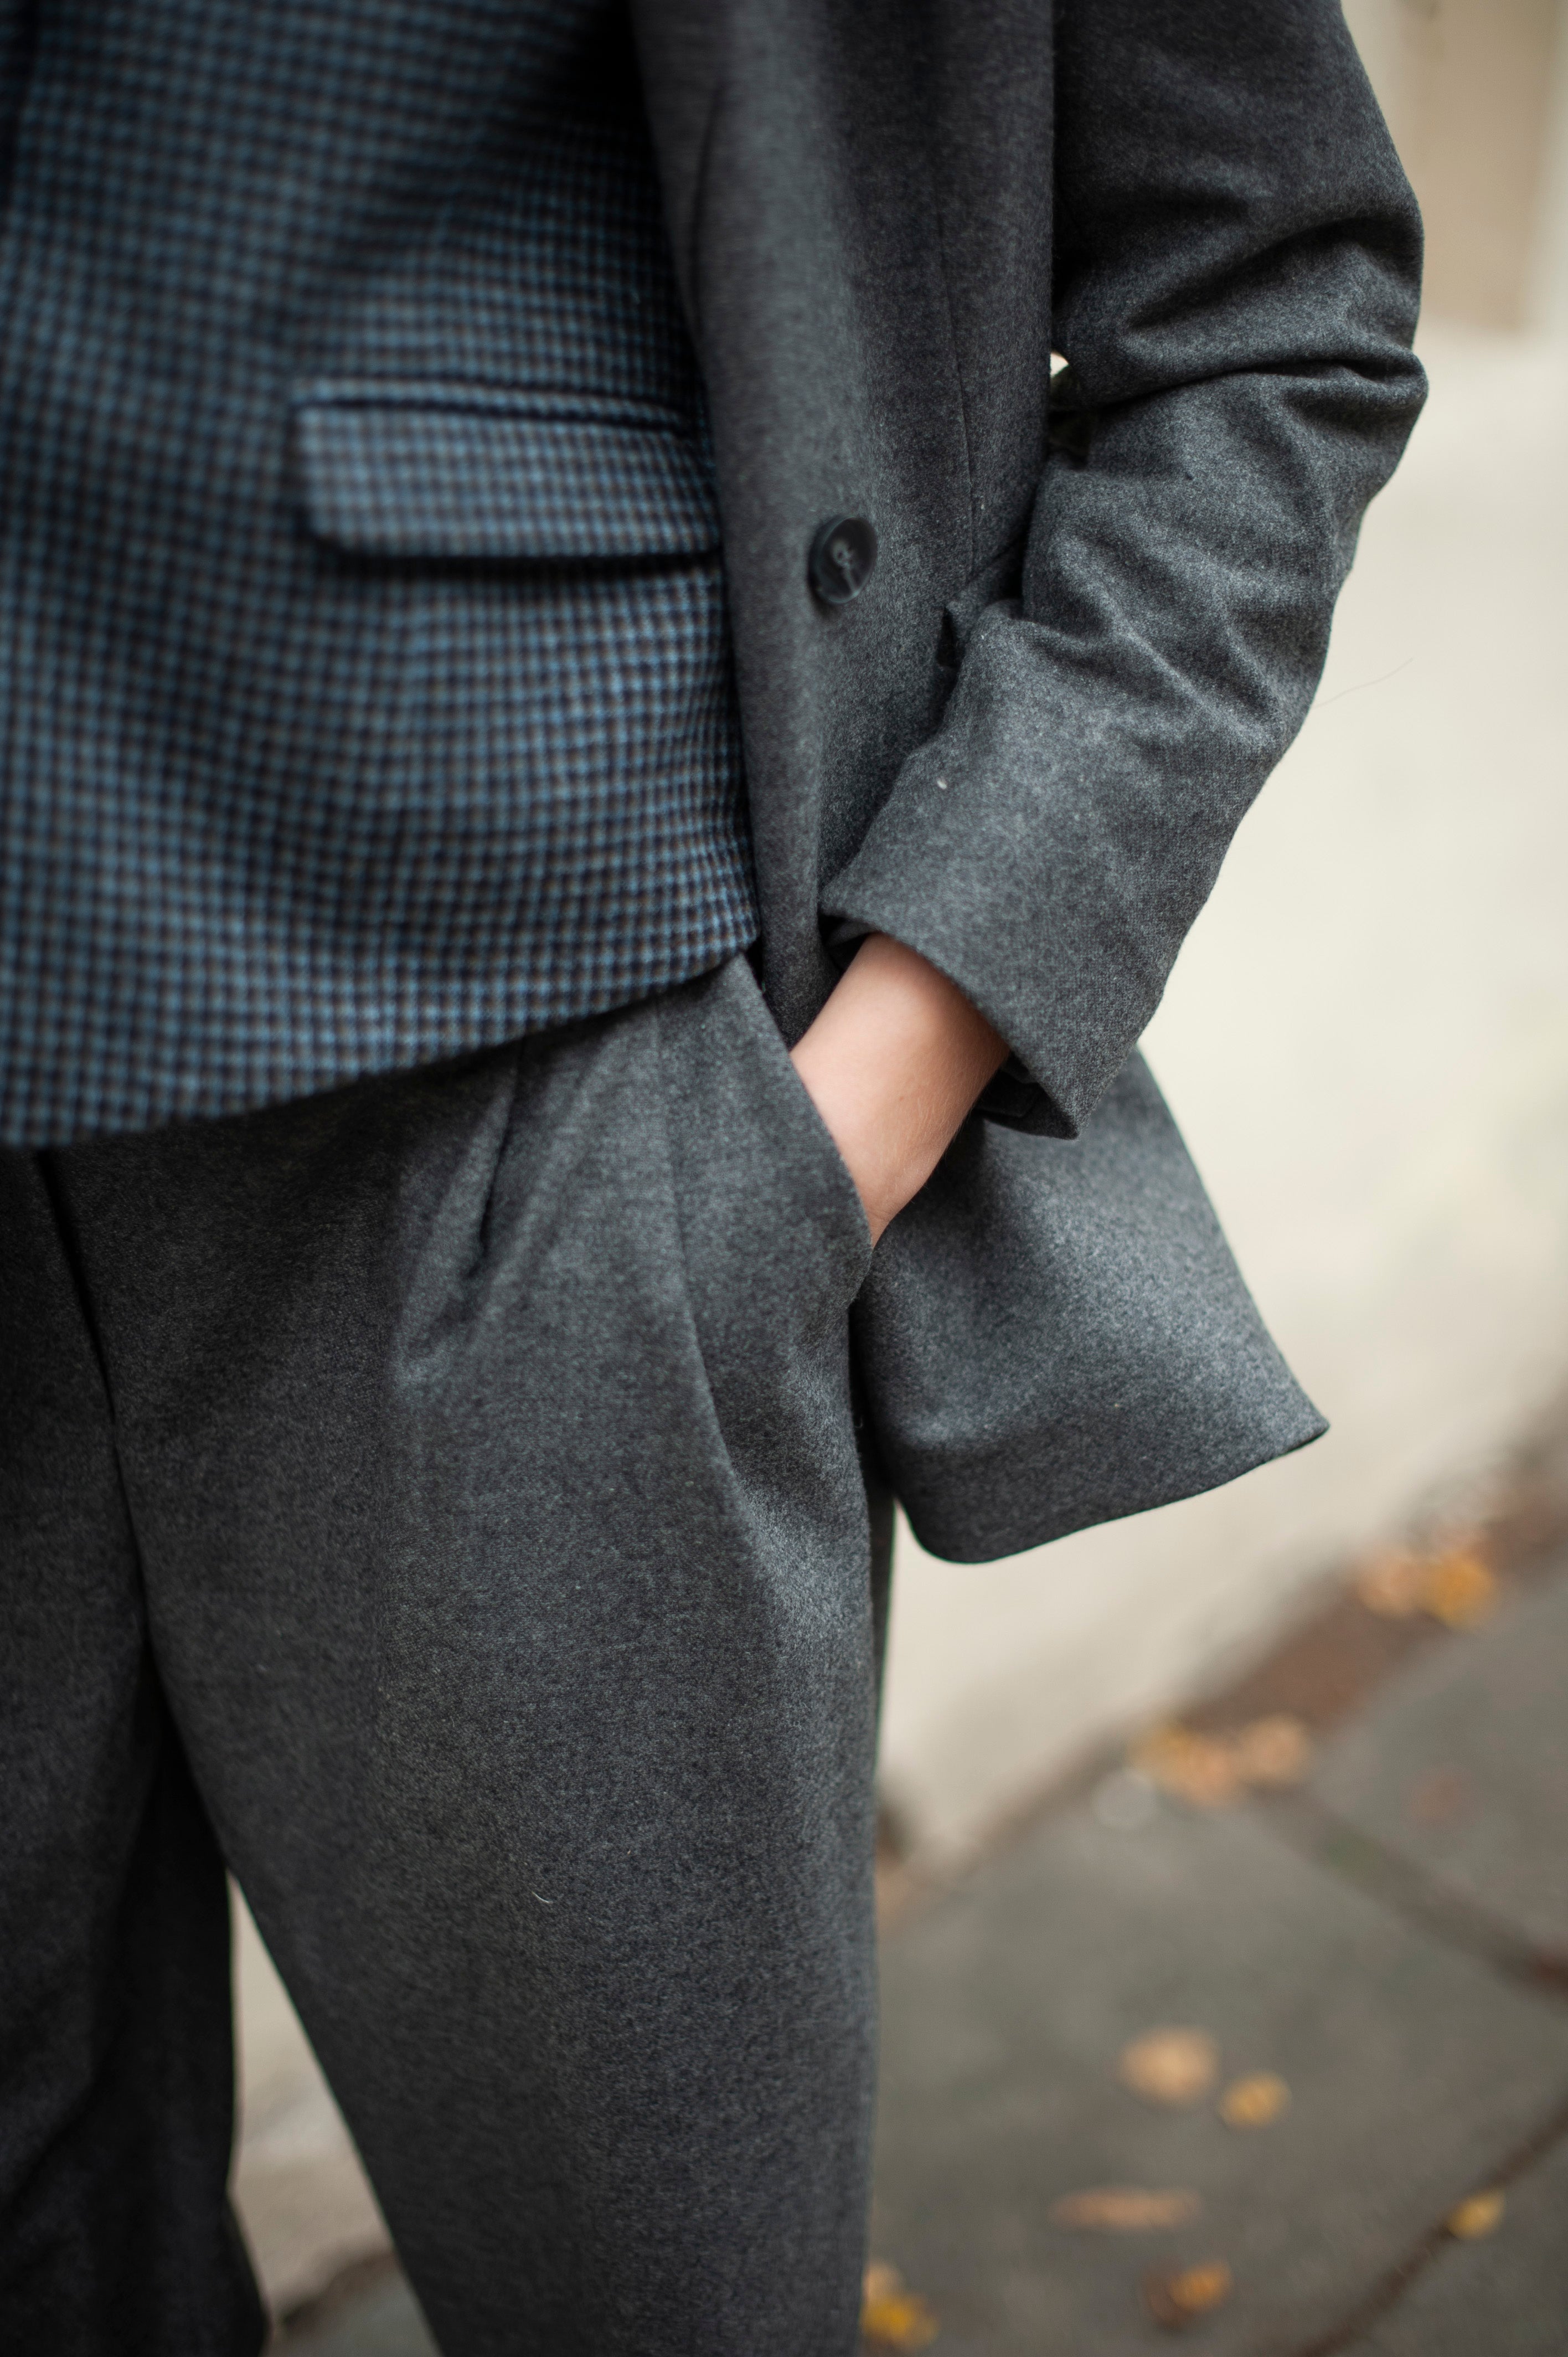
(893, 1064)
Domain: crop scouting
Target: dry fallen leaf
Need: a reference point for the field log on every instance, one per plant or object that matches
(1176, 2297)
(891, 2317)
(1126, 2209)
(1199, 1768)
(1211, 1772)
(1255, 2101)
(1276, 1750)
(1461, 1589)
(1170, 2066)
(1391, 1583)
(1456, 1584)
(1479, 2214)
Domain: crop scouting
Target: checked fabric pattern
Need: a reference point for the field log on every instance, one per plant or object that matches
(366, 685)
(434, 471)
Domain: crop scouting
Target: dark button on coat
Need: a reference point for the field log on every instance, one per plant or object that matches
(843, 559)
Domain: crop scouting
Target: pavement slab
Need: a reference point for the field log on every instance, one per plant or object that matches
(308, 2212)
(1505, 2297)
(1412, 2070)
(381, 2320)
(1461, 1768)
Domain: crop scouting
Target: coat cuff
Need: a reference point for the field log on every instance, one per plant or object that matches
(986, 861)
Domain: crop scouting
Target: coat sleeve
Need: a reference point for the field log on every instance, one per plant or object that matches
(1237, 262)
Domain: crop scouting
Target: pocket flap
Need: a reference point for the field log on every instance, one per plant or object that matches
(401, 469)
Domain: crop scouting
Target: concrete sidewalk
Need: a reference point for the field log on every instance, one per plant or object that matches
(1388, 1937)
(1391, 1942)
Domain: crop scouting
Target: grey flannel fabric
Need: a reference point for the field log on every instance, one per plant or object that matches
(363, 650)
(1023, 747)
(535, 1719)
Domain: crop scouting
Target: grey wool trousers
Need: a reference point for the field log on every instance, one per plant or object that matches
(440, 1503)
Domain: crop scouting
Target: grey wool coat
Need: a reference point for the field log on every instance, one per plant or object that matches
(1098, 615)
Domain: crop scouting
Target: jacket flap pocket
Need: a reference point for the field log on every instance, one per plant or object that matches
(401, 469)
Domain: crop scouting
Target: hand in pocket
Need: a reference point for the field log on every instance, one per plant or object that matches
(893, 1064)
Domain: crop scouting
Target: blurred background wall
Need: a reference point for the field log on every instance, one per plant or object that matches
(1366, 1039)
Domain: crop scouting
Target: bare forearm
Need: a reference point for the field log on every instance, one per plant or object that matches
(893, 1064)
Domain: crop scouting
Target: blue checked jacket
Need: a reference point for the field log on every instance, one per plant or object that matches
(366, 678)
(368, 691)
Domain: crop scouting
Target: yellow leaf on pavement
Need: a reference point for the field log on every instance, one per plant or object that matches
(1478, 2215)
(1276, 1750)
(1460, 1590)
(1453, 1582)
(891, 2317)
(1175, 2297)
(1391, 1583)
(1199, 1768)
(1255, 2101)
(1170, 2066)
(1211, 1772)
(1126, 2209)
